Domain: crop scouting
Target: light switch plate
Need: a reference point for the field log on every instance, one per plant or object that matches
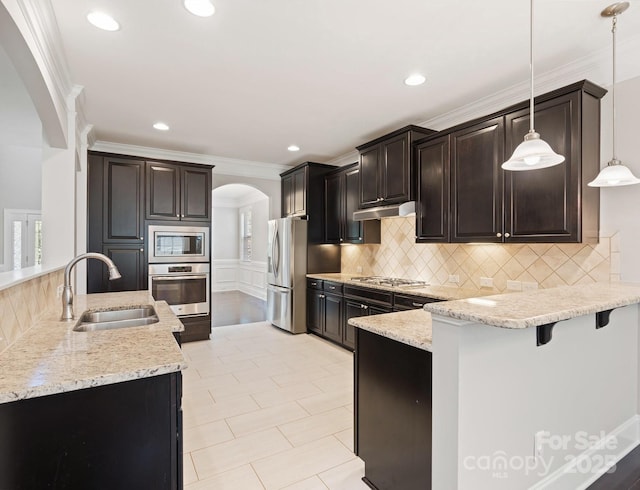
(514, 285)
(529, 286)
(359, 269)
(454, 278)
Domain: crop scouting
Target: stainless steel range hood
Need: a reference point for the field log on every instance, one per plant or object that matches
(392, 211)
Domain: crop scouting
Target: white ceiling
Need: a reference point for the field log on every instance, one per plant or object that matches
(326, 75)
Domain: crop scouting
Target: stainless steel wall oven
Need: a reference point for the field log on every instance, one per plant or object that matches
(184, 286)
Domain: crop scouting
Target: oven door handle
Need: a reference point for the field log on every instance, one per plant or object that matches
(179, 278)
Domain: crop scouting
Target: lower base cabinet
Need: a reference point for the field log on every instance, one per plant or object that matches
(393, 412)
(195, 328)
(125, 435)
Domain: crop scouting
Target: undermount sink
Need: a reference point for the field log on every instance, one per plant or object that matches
(135, 316)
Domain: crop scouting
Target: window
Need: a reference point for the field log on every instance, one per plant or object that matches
(22, 239)
(245, 234)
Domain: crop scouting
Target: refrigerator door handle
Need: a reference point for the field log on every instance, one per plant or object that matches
(276, 255)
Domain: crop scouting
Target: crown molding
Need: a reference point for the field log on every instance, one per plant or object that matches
(223, 165)
(595, 67)
(345, 159)
(41, 22)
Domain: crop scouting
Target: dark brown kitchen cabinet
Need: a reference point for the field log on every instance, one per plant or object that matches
(386, 168)
(178, 192)
(393, 378)
(315, 310)
(303, 196)
(333, 317)
(123, 200)
(341, 200)
(554, 203)
(360, 301)
(489, 204)
(125, 435)
(477, 153)
(131, 262)
(325, 309)
(432, 207)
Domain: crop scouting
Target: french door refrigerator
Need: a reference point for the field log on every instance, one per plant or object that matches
(286, 274)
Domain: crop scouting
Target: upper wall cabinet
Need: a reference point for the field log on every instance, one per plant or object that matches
(341, 197)
(303, 196)
(178, 192)
(387, 169)
(489, 204)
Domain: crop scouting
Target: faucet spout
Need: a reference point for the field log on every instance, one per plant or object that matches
(67, 291)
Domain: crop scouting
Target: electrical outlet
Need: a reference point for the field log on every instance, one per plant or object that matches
(486, 282)
(359, 269)
(529, 286)
(454, 278)
(514, 285)
(59, 290)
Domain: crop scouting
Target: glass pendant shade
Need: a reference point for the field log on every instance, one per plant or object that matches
(533, 153)
(613, 175)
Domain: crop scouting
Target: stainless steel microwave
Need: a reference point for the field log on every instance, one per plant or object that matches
(178, 244)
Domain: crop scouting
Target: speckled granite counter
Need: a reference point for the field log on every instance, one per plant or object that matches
(51, 358)
(539, 307)
(437, 292)
(411, 327)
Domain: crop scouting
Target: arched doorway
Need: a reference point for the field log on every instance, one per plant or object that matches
(239, 248)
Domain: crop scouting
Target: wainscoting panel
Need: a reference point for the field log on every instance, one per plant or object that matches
(236, 275)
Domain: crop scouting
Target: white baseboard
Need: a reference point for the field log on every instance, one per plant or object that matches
(573, 474)
(236, 275)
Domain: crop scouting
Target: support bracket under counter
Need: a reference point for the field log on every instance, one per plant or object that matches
(544, 332)
(602, 318)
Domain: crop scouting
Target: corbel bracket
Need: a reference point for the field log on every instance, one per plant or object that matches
(543, 333)
(602, 318)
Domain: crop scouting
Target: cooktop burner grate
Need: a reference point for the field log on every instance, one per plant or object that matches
(389, 281)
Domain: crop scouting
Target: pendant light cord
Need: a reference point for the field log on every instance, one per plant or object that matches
(613, 88)
(531, 130)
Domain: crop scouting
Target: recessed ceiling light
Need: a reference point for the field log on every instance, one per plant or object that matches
(293, 148)
(161, 126)
(103, 21)
(201, 8)
(415, 79)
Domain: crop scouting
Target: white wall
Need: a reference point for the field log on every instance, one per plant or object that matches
(619, 205)
(269, 187)
(224, 229)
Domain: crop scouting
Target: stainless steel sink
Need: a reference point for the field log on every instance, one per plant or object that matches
(134, 316)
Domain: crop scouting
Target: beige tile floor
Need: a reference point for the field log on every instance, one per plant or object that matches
(264, 409)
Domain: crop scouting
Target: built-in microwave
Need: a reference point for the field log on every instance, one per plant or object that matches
(170, 244)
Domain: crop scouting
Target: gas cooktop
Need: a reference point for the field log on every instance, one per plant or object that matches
(389, 281)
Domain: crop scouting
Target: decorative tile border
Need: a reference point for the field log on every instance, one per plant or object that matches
(21, 304)
(541, 265)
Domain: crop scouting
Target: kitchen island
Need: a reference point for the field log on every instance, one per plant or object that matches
(527, 390)
(97, 409)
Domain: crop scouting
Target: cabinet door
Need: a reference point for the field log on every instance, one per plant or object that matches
(352, 229)
(334, 208)
(333, 317)
(477, 155)
(395, 169)
(315, 310)
(378, 310)
(542, 205)
(123, 205)
(299, 200)
(352, 309)
(432, 208)
(130, 261)
(163, 191)
(287, 196)
(196, 194)
(370, 176)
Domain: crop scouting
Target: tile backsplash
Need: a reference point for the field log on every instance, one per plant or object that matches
(22, 303)
(542, 265)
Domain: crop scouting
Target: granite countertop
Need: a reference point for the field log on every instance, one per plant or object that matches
(51, 358)
(539, 307)
(437, 292)
(411, 327)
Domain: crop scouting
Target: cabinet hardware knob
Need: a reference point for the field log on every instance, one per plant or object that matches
(362, 307)
(507, 235)
(499, 234)
(417, 305)
(142, 249)
(341, 239)
(366, 307)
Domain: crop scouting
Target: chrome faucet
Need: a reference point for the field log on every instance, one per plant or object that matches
(67, 292)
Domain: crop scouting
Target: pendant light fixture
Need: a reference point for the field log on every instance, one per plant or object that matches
(533, 152)
(615, 173)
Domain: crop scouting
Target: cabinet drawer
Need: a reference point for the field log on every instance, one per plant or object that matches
(332, 287)
(410, 302)
(314, 283)
(368, 295)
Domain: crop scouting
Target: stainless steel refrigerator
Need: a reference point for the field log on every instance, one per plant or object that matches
(286, 274)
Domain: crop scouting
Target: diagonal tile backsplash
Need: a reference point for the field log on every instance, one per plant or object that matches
(541, 265)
